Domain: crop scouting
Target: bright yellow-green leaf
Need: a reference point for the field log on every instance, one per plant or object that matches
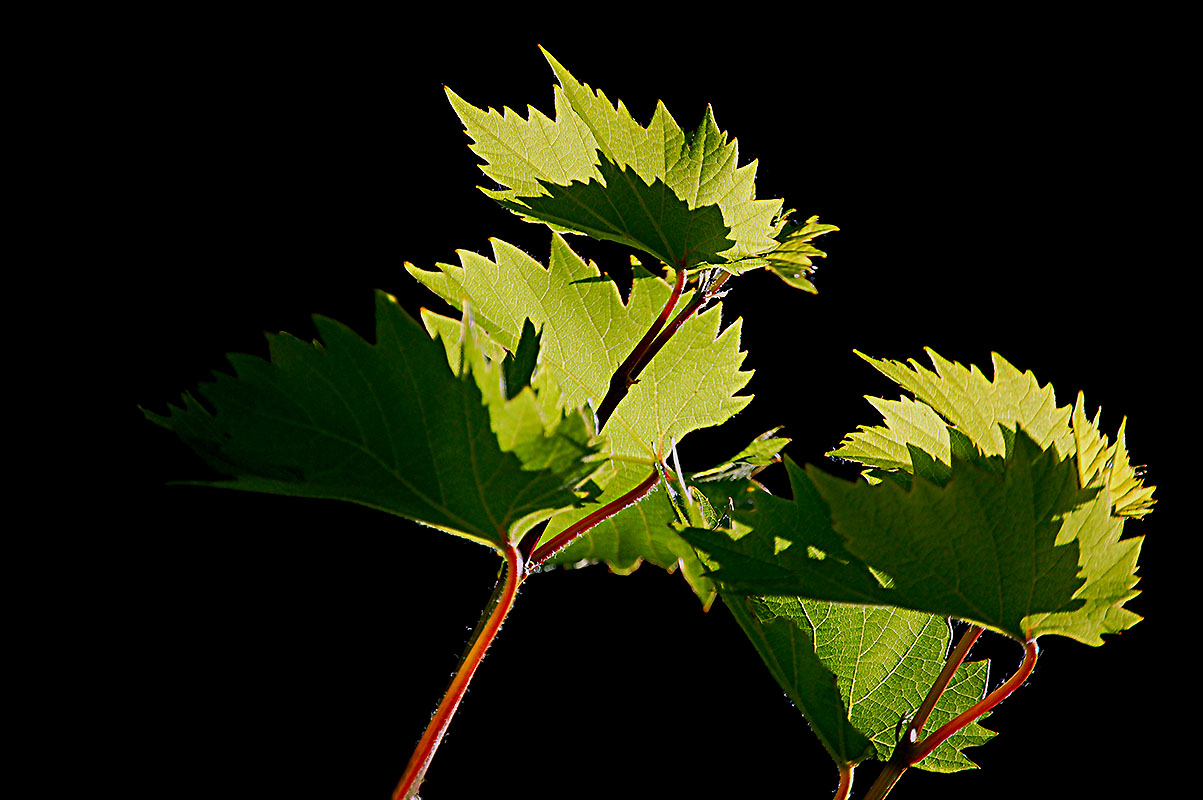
(679, 197)
(586, 332)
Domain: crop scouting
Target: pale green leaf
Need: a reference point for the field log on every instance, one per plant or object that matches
(1100, 462)
(789, 654)
(977, 407)
(586, 332)
(907, 424)
(760, 453)
(593, 169)
(639, 533)
(622, 208)
(791, 259)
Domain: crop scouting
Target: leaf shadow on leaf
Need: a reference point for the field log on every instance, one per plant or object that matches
(981, 547)
(623, 208)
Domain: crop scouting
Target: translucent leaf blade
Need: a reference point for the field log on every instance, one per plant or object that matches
(595, 170)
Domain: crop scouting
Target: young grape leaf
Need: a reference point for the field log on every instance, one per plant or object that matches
(996, 505)
(762, 451)
(641, 532)
(587, 331)
(964, 399)
(1102, 463)
(791, 260)
(813, 689)
(595, 170)
(622, 208)
(389, 426)
(954, 397)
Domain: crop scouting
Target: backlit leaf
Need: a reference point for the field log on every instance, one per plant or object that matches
(680, 197)
(1020, 533)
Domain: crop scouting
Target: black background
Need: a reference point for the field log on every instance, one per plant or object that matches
(995, 193)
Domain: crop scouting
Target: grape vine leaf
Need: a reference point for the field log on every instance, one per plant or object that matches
(996, 504)
(791, 259)
(971, 549)
(595, 170)
(587, 330)
(389, 426)
(955, 398)
(964, 399)
(1108, 561)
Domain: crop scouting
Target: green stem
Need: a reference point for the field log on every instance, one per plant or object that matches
(486, 631)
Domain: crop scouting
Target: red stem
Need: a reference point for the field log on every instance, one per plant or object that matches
(624, 377)
(923, 749)
(419, 762)
(951, 665)
(516, 570)
(845, 786)
(518, 566)
(699, 300)
(562, 539)
(909, 753)
(900, 760)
